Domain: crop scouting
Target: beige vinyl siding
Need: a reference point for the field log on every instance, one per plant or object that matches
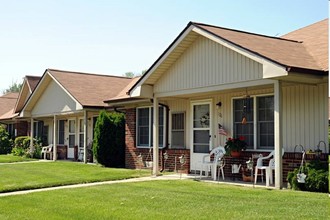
(305, 110)
(304, 114)
(207, 63)
(54, 100)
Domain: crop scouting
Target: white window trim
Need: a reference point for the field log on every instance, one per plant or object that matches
(184, 130)
(255, 122)
(80, 132)
(150, 127)
(65, 121)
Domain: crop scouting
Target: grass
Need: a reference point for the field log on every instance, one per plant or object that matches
(16, 177)
(9, 158)
(175, 199)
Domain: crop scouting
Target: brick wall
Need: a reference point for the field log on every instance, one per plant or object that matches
(22, 128)
(132, 152)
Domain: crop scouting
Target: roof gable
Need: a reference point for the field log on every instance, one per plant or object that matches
(29, 84)
(279, 54)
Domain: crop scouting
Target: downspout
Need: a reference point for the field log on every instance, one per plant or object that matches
(116, 110)
(167, 111)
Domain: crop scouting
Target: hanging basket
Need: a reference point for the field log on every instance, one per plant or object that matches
(301, 177)
(148, 164)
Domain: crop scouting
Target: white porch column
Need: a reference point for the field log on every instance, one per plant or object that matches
(55, 139)
(31, 136)
(85, 136)
(278, 134)
(155, 170)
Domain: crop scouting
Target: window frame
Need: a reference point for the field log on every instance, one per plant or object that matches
(150, 133)
(256, 134)
(183, 130)
(63, 132)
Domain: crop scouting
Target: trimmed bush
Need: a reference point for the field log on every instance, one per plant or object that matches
(6, 143)
(109, 139)
(22, 147)
(317, 179)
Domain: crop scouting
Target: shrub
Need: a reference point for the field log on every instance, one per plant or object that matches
(6, 143)
(22, 147)
(22, 142)
(109, 139)
(316, 180)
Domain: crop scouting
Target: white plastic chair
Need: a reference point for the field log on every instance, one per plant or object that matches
(47, 150)
(269, 168)
(221, 164)
(209, 164)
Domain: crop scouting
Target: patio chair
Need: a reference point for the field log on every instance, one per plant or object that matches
(47, 150)
(209, 164)
(268, 168)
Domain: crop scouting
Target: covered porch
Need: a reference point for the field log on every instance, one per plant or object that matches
(68, 135)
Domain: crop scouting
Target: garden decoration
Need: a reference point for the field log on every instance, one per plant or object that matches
(301, 176)
(182, 161)
(318, 150)
(148, 161)
(140, 161)
(165, 155)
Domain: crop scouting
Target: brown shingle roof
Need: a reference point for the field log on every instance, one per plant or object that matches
(315, 38)
(32, 81)
(123, 93)
(289, 53)
(90, 89)
(7, 103)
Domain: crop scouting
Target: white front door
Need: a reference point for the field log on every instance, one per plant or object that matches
(201, 132)
(72, 137)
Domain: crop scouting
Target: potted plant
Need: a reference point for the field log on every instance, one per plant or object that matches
(234, 146)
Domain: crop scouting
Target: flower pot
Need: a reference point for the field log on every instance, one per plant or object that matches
(235, 153)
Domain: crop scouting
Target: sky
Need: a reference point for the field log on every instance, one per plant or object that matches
(118, 36)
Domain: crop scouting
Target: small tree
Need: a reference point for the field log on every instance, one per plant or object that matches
(6, 143)
(14, 87)
(109, 139)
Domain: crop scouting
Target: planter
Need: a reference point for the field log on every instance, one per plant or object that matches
(247, 178)
(235, 153)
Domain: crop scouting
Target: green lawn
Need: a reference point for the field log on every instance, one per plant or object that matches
(9, 158)
(44, 174)
(176, 199)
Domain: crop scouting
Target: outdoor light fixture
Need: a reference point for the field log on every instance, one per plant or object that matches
(219, 104)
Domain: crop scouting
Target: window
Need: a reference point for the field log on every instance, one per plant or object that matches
(178, 122)
(44, 138)
(144, 126)
(38, 129)
(81, 132)
(244, 107)
(11, 131)
(266, 122)
(61, 131)
(258, 111)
